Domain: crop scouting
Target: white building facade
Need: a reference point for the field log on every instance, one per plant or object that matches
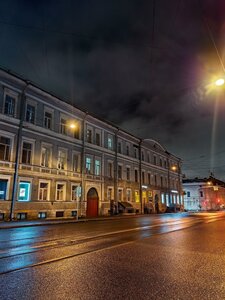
(59, 161)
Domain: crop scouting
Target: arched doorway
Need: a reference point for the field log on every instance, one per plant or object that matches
(92, 203)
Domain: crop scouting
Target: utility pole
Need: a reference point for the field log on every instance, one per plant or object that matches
(140, 175)
(18, 148)
(116, 172)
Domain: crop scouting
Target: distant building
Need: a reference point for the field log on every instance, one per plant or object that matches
(203, 194)
(59, 161)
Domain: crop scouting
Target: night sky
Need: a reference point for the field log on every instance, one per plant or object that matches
(145, 65)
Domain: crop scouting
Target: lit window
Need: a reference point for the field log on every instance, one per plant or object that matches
(97, 167)
(88, 165)
(109, 194)
(61, 160)
(75, 193)
(24, 191)
(137, 197)
(120, 194)
(110, 143)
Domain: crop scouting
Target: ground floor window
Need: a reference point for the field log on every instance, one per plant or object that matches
(75, 192)
(137, 196)
(24, 191)
(163, 198)
(110, 193)
(21, 216)
(3, 188)
(128, 194)
(60, 191)
(120, 195)
(43, 191)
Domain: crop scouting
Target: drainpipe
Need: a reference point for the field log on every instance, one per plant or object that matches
(83, 164)
(18, 148)
(140, 175)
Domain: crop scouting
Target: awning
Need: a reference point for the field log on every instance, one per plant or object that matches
(125, 204)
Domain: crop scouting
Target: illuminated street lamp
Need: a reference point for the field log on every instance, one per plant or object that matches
(72, 125)
(220, 82)
(173, 168)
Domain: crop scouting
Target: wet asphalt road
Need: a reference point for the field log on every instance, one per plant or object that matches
(174, 256)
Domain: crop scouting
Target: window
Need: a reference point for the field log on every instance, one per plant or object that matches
(155, 161)
(76, 131)
(76, 162)
(135, 153)
(4, 148)
(42, 215)
(201, 193)
(88, 165)
(142, 155)
(137, 197)
(136, 175)
(188, 194)
(59, 214)
(63, 126)
(45, 157)
(9, 108)
(21, 216)
(110, 142)
(75, 192)
(24, 191)
(110, 169)
(148, 157)
(48, 120)
(109, 193)
(26, 153)
(97, 139)
(160, 162)
(119, 147)
(89, 135)
(149, 178)
(128, 194)
(120, 194)
(60, 191)
(43, 191)
(3, 189)
(61, 163)
(143, 177)
(30, 113)
(163, 198)
(128, 173)
(155, 179)
(97, 167)
(119, 172)
(161, 181)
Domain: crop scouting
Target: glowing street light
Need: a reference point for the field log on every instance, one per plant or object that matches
(220, 82)
(72, 125)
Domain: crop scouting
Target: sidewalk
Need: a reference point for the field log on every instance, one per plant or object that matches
(17, 224)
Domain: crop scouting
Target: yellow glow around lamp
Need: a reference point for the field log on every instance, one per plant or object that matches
(219, 82)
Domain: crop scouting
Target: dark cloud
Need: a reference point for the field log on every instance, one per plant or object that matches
(105, 57)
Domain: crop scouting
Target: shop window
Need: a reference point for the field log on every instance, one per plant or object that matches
(24, 191)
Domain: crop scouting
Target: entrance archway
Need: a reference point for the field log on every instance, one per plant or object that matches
(92, 203)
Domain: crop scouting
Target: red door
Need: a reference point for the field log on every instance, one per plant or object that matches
(92, 203)
(92, 207)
